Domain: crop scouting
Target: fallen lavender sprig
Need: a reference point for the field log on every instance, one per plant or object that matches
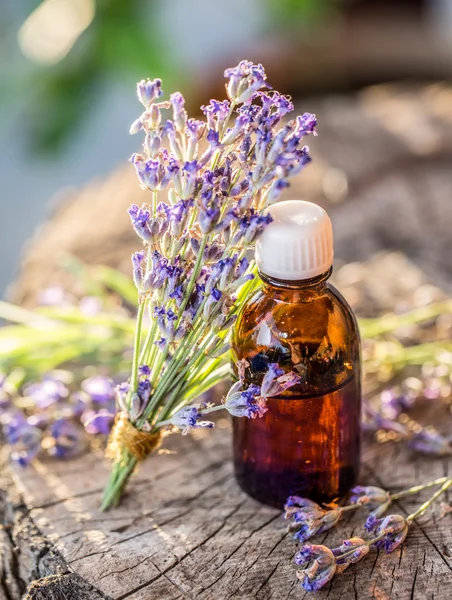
(307, 518)
(192, 274)
(319, 564)
(54, 415)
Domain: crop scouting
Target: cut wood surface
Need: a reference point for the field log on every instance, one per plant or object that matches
(186, 530)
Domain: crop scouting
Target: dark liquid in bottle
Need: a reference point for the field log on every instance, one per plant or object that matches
(308, 446)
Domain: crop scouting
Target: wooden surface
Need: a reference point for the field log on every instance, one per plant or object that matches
(186, 530)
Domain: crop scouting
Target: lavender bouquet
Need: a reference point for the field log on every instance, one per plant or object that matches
(192, 273)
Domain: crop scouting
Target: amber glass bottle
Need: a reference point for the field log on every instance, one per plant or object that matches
(308, 442)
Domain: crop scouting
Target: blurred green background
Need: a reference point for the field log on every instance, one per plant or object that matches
(68, 70)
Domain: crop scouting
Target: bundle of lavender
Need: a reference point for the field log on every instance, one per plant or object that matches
(192, 273)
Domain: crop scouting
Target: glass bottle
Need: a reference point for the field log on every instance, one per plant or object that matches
(308, 442)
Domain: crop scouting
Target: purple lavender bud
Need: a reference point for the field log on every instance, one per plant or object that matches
(361, 550)
(208, 218)
(275, 381)
(244, 80)
(47, 392)
(178, 295)
(368, 495)
(245, 403)
(242, 267)
(140, 219)
(276, 190)
(23, 437)
(298, 501)
(188, 418)
(213, 137)
(236, 132)
(195, 129)
(155, 117)
(144, 390)
(170, 130)
(372, 522)
(222, 323)
(308, 518)
(180, 332)
(137, 262)
(395, 529)
(100, 389)
(212, 303)
(153, 144)
(305, 125)
(227, 272)
(144, 370)
(319, 566)
(135, 408)
(97, 422)
(179, 113)
(215, 112)
(268, 383)
(148, 90)
(136, 126)
(66, 439)
(161, 344)
(122, 394)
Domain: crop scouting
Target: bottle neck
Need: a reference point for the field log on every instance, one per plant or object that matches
(282, 287)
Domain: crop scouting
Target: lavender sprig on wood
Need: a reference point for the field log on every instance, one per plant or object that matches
(319, 564)
(210, 183)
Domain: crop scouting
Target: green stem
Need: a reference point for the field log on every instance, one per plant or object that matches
(148, 344)
(418, 488)
(118, 479)
(421, 510)
(136, 348)
(371, 328)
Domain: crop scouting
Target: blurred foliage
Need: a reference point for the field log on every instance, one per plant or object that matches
(302, 13)
(122, 42)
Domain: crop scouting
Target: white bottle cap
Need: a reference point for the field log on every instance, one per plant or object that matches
(298, 244)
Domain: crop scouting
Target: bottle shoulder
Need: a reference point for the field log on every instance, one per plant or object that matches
(313, 332)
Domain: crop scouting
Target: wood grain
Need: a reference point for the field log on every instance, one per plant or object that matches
(186, 530)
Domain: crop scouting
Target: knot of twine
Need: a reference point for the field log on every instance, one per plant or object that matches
(139, 443)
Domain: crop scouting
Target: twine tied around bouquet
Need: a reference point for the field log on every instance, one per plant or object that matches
(139, 443)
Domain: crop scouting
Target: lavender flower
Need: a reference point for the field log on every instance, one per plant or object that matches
(371, 495)
(148, 91)
(138, 263)
(307, 518)
(393, 528)
(66, 439)
(245, 403)
(24, 439)
(98, 422)
(188, 418)
(350, 552)
(100, 389)
(47, 392)
(140, 219)
(244, 80)
(318, 566)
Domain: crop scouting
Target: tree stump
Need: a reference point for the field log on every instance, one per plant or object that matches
(186, 530)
